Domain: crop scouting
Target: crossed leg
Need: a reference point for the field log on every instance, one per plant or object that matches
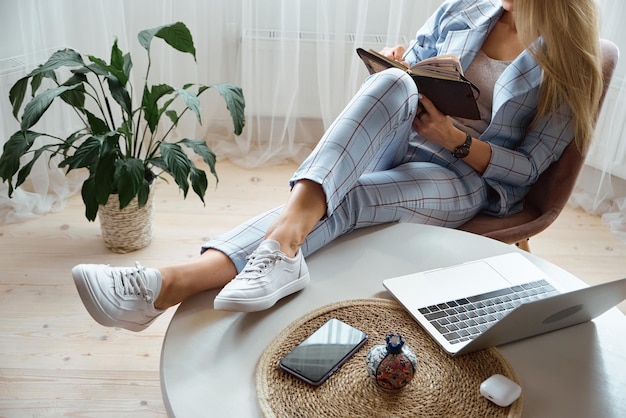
(213, 269)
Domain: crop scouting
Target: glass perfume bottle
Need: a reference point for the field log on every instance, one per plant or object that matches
(392, 365)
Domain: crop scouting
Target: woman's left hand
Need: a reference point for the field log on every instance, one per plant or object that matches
(433, 125)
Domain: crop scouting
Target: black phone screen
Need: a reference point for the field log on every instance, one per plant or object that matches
(319, 355)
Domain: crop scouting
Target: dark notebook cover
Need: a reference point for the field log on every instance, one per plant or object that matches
(451, 97)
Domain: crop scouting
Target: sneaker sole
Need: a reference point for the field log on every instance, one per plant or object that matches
(260, 304)
(87, 295)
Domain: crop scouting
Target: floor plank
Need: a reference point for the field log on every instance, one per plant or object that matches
(55, 361)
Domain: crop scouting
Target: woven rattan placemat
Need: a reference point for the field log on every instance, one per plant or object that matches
(443, 386)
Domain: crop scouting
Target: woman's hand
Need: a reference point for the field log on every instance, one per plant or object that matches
(434, 126)
(395, 53)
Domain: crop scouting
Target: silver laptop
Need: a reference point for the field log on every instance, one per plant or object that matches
(496, 300)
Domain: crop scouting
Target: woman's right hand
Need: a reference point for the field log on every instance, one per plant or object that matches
(395, 53)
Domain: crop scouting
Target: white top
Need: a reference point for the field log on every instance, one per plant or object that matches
(483, 72)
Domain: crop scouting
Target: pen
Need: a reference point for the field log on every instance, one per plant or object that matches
(409, 49)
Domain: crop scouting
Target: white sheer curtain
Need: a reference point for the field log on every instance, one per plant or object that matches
(601, 187)
(299, 67)
(295, 60)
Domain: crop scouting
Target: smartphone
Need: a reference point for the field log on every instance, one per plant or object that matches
(316, 358)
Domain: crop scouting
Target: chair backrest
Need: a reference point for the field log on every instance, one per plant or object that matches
(549, 195)
(554, 186)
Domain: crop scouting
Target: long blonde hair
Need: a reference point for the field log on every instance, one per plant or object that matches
(569, 55)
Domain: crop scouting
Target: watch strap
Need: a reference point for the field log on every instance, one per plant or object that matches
(463, 150)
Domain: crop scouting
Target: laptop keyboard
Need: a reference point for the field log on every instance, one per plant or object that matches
(465, 319)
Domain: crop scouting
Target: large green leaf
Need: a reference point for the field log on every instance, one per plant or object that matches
(40, 103)
(145, 37)
(92, 68)
(96, 125)
(37, 79)
(17, 145)
(61, 58)
(24, 172)
(192, 102)
(117, 66)
(173, 116)
(157, 162)
(177, 164)
(144, 192)
(176, 35)
(128, 64)
(117, 78)
(68, 143)
(104, 177)
(17, 94)
(150, 104)
(75, 97)
(235, 103)
(110, 143)
(198, 182)
(202, 149)
(88, 193)
(85, 156)
(100, 65)
(120, 95)
(129, 177)
(65, 57)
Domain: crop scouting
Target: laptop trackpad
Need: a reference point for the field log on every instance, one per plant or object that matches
(452, 283)
(464, 280)
(461, 281)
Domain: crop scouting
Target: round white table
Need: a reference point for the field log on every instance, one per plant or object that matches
(209, 357)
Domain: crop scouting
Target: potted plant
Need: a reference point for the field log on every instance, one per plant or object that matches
(122, 142)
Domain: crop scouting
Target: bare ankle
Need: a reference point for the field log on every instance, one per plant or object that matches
(304, 208)
(164, 299)
(290, 248)
(212, 270)
(286, 237)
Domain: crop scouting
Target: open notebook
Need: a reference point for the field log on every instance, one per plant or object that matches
(438, 78)
(496, 300)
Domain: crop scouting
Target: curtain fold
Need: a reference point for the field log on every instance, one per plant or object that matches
(299, 68)
(294, 59)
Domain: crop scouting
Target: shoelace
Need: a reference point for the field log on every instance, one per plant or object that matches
(134, 282)
(258, 262)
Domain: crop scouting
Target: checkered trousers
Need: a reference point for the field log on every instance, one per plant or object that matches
(374, 169)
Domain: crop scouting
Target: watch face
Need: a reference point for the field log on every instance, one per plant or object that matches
(461, 152)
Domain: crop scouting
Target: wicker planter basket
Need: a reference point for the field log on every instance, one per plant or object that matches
(129, 229)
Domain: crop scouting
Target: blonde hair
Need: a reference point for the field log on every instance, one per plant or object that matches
(569, 56)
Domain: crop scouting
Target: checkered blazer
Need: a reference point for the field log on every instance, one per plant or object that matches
(520, 154)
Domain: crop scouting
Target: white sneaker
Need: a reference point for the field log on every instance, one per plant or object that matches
(268, 277)
(119, 296)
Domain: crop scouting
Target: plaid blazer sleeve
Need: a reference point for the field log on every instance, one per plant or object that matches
(520, 152)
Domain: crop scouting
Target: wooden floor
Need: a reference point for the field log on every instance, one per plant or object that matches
(56, 361)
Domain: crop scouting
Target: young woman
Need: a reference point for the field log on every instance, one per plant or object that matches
(538, 67)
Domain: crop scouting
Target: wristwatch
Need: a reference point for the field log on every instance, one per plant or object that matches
(463, 150)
